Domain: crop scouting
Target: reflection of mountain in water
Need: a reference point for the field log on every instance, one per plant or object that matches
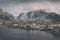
(21, 34)
(56, 33)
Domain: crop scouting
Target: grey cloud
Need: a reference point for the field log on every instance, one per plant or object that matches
(26, 1)
(6, 2)
(11, 3)
(55, 1)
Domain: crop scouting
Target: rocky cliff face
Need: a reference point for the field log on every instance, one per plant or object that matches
(39, 16)
(6, 16)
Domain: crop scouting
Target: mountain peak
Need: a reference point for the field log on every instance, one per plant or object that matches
(40, 16)
(5, 16)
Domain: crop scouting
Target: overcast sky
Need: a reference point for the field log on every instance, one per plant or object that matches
(15, 7)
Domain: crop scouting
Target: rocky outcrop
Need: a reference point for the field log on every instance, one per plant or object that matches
(6, 16)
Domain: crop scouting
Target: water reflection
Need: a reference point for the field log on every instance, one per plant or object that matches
(21, 34)
(56, 36)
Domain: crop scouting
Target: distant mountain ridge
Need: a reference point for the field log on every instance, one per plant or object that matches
(39, 16)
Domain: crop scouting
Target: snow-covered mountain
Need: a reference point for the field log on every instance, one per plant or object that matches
(6, 16)
(39, 16)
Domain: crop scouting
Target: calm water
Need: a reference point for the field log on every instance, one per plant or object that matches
(21, 34)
